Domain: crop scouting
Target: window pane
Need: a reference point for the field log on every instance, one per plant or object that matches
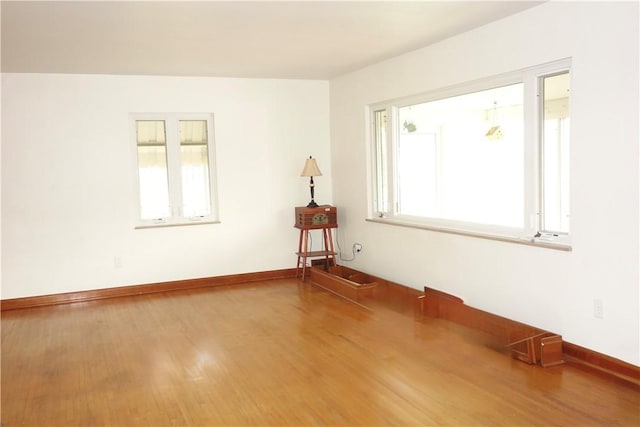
(418, 175)
(555, 154)
(152, 169)
(194, 160)
(462, 158)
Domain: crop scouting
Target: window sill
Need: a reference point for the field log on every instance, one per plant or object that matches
(174, 224)
(519, 241)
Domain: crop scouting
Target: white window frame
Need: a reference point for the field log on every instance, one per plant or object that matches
(172, 130)
(531, 232)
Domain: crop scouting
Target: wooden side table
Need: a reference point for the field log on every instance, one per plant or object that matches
(324, 218)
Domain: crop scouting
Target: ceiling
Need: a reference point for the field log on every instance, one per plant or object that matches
(260, 39)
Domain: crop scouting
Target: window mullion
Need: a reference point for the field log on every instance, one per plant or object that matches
(439, 174)
(175, 177)
(392, 154)
(212, 165)
(532, 164)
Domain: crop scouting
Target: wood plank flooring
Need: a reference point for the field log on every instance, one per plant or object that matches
(279, 353)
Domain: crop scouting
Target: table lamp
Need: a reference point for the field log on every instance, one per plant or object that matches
(311, 169)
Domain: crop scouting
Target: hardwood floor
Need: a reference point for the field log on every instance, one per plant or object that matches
(278, 353)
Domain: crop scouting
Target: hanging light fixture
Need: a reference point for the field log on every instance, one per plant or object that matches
(495, 132)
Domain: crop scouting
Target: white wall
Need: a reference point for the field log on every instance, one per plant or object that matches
(546, 288)
(68, 179)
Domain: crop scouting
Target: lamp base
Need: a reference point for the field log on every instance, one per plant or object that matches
(312, 204)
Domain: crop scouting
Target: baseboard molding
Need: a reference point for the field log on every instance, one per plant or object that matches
(601, 362)
(96, 294)
(442, 305)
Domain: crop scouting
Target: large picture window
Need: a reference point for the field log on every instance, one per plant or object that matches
(490, 157)
(175, 168)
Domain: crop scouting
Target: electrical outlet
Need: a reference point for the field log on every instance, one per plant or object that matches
(598, 309)
(357, 247)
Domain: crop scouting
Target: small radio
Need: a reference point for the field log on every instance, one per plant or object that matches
(325, 216)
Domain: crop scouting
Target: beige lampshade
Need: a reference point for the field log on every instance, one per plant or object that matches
(311, 168)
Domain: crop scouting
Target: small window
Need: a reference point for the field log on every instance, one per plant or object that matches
(175, 169)
(554, 149)
(194, 163)
(152, 169)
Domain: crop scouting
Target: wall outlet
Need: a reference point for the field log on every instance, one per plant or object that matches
(117, 262)
(357, 247)
(598, 309)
